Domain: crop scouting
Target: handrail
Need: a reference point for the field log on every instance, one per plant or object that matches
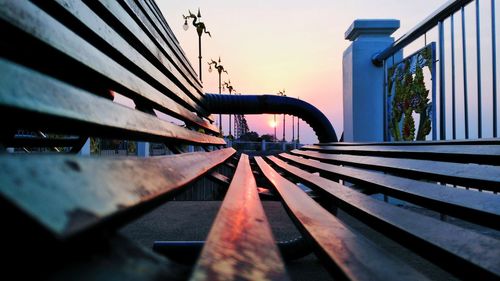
(439, 15)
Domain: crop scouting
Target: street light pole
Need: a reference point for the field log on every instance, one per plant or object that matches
(298, 128)
(231, 89)
(220, 69)
(275, 125)
(282, 93)
(200, 28)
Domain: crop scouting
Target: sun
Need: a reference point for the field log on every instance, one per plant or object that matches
(272, 123)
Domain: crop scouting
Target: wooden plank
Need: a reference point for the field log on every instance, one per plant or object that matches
(469, 175)
(112, 43)
(412, 143)
(478, 207)
(162, 56)
(32, 100)
(29, 18)
(350, 255)
(149, 28)
(70, 195)
(240, 245)
(466, 253)
(480, 154)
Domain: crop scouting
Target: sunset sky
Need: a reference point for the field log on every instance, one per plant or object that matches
(268, 46)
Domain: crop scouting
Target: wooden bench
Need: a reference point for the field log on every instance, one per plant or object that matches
(61, 63)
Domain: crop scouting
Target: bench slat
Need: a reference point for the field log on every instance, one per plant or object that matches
(412, 143)
(471, 254)
(69, 194)
(28, 17)
(240, 245)
(130, 58)
(470, 175)
(160, 37)
(353, 257)
(54, 104)
(481, 154)
(477, 207)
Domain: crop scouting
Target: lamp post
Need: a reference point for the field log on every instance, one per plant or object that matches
(230, 89)
(298, 128)
(200, 28)
(275, 125)
(282, 93)
(220, 69)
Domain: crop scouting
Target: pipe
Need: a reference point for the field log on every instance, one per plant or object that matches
(271, 104)
(187, 252)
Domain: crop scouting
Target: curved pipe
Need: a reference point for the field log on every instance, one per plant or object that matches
(272, 104)
(187, 252)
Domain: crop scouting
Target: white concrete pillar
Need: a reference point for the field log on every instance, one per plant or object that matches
(143, 149)
(363, 81)
(263, 145)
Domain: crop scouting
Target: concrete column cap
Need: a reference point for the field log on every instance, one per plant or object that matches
(372, 27)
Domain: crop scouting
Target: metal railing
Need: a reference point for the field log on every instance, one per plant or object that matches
(466, 104)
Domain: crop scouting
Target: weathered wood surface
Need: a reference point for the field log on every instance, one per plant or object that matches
(466, 253)
(347, 254)
(478, 207)
(33, 100)
(412, 143)
(69, 194)
(480, 154)
(468, 175)
(240, 245)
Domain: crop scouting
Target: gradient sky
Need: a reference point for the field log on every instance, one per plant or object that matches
(269, 45)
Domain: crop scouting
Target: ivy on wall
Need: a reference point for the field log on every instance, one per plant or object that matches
(408, 95)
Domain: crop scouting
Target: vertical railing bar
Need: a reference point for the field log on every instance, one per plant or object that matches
(434, 94)
(494, 65)
(385, 91)
(442, 101)
(464, 61)
(478, 52)
(453, 106)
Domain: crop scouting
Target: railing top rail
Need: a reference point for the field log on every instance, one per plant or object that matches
(439, 15)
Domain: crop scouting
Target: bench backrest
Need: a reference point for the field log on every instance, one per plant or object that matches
(62, 62)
